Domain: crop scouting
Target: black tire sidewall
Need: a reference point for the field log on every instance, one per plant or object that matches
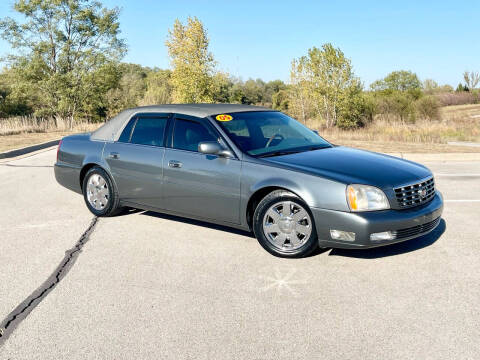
(277, 196)
(113, 201)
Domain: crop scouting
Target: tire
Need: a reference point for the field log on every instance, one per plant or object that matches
(99, 193)
(295, 224)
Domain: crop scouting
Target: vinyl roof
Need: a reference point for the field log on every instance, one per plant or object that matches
(111, 129)
(200, 110)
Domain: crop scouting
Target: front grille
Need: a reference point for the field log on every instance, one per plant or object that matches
(416, 230)
(415, 194)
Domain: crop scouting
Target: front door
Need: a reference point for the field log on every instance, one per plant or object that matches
(197, 184)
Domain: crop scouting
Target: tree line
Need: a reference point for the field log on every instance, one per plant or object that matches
(67, 63)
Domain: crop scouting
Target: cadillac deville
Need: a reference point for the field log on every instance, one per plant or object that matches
(250, 168)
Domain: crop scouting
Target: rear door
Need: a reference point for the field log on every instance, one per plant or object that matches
(136, 159)
(197, 184)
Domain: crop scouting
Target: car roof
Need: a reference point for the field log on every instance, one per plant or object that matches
(112, 128)
(199, 110)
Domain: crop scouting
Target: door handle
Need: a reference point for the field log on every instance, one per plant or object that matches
(174, 164)
(114, 155)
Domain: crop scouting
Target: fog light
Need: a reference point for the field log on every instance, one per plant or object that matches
(342, 235)
(382, 236)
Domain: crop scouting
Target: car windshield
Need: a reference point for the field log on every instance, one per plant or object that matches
(269, 133)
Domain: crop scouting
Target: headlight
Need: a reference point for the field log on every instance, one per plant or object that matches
(366, 198)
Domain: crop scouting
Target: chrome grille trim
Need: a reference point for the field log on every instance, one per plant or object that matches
(415, 194)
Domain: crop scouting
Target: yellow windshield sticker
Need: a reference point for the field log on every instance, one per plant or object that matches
(224, 117)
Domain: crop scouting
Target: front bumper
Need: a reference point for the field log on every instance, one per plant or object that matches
(417, 221)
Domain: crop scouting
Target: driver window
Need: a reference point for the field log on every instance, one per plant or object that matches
(187, 134)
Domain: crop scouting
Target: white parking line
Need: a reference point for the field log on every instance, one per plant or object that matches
(457, 175)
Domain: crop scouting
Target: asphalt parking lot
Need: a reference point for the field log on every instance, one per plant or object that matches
(150, 286)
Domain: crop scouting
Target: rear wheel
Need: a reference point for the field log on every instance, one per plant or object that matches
(283, 225)
(99, 193)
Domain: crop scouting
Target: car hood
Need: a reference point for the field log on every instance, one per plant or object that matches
(353, 166)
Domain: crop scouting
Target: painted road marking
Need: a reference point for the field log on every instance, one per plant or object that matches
(457, 175)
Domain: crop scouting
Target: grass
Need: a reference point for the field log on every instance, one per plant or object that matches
(456, 123)
(27, 124)
(20, 132)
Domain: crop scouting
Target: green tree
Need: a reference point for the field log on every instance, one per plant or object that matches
(280, 100)
(129, 90)
(299, 92)
(253, 90)
(158, 88)
(461, 88)
(325, 77)
(274, 86)
(237, 93)
(399, 81)
(272, 89)
(10, 103)
(63, 49)
(222, 88)
(397, 93)
(193, 64)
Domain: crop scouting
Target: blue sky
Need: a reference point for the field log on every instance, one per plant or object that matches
(251, 39)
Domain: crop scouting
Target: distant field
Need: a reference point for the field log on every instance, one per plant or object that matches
(25, 131)
(457, 123)
(461, 112)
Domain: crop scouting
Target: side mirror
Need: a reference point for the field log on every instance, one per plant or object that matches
(316, 132)
(213, 148)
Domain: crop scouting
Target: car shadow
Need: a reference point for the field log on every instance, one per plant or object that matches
(198, 223)
(374, 253)
(128, 211)
(394, 249)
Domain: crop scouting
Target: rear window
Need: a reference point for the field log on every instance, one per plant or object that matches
(149, 131)
(125, 137)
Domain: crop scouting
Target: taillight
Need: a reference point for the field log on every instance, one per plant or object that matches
(58, 148)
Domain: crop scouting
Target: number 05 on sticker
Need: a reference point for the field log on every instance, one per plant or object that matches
(224, 117)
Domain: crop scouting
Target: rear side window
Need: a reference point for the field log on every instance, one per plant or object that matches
(188, 134)
(149, 131)
(125, 137)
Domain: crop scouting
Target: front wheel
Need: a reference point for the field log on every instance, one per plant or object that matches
(99, 193)
(283, 225)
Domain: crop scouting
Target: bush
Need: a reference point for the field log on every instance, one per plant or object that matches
(427, 107)
(358, 112)
(280, 100)
(396, 105)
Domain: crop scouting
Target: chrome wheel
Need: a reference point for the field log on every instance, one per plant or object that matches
(287, 225)
(97, 192)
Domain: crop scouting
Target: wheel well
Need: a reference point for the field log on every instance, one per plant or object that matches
(256, 198)
(83, 172)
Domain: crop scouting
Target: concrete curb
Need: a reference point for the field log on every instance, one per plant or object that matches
(28, 149)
